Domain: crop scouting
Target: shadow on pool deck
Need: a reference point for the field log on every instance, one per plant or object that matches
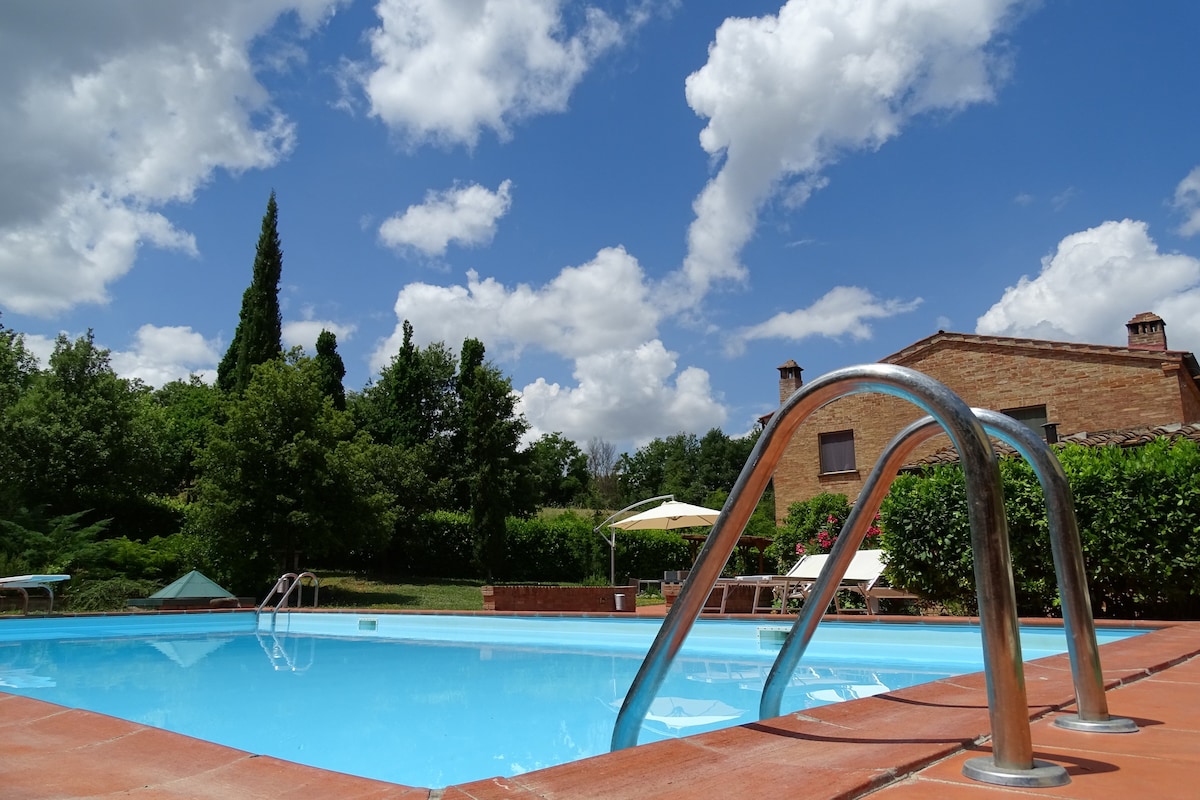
(910, 743)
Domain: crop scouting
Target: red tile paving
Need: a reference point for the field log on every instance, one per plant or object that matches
(905, 744)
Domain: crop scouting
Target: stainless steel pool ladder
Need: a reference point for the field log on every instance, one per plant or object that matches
(1012, 762)
(288, 583)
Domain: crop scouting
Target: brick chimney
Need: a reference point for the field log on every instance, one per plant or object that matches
(1147, 331)
(789, 380)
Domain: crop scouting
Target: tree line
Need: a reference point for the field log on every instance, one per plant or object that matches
(276, 466)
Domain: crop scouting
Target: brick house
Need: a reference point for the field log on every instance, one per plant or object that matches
(1057, 388)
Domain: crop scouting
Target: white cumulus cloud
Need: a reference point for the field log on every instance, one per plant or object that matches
(1187, 200)
(1094, 283)
(444, 72)
(624, 395)
(304, 333)
(842, 311)
(787, 95)
(164, 354)
(599, 306)
(601, 316)
(129, 107)
(76, 250)
(465, 215)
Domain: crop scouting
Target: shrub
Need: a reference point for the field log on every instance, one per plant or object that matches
(556, 550)
(648, 554)
(802, 526)
(108, 594)
(438, 544)
(1139, 518)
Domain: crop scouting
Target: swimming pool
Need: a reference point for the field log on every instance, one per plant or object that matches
(433, 700)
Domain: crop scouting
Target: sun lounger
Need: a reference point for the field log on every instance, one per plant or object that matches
(767, 588)
(23, 583)
(864, 576)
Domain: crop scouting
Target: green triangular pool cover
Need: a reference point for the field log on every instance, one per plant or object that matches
(194, 584)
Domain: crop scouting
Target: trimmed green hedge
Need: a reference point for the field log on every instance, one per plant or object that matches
(562, 549)
(1139, 518)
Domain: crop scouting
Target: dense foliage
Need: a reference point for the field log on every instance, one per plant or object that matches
(1139, 519)
(554, 548)
(802, 529)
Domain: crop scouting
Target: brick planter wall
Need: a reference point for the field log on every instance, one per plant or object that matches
(559, 598)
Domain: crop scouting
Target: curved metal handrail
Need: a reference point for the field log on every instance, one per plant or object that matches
(281, 587)
(1069, 568)
(284, 589)
(1007, 706)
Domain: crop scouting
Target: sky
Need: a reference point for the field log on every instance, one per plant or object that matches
(641, 207)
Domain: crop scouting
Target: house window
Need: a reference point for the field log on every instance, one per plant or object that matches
(837, 451)
(1033, 417)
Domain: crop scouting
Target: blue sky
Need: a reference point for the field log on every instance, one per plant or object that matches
(642, 208)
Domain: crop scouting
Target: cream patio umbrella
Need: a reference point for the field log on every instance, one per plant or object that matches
(665, 517)
(670, 515)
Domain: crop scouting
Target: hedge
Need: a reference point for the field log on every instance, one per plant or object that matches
(1139, 518)
(562, 549)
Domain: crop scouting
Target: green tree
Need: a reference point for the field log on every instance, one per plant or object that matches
(693, 469)
(414, 399)
(259, 330)
(493, 470)
(286, 477)
(80, 438)
(558, 470)
(188, 410)
(331, 368)
(17, 367)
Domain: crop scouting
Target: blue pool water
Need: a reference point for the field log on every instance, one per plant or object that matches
(437, 700)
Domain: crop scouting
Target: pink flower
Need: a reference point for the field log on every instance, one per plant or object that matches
(799, 549)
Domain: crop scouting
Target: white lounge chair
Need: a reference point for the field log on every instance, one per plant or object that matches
(23, 583)
(768, 588)
(864, 576)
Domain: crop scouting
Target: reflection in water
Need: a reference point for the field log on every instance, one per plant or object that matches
(686, 714)
(287, 653)
(24, 679)
(189, 652)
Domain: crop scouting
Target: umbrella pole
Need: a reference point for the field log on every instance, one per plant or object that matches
(612, 542)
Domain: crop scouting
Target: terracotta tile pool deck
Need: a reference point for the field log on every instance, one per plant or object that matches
(910, 743)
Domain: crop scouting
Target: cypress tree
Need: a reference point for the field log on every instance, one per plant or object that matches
(489, 436)
(259, 333)
(331, 369)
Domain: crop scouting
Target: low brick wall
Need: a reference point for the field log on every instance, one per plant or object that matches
(559, 598)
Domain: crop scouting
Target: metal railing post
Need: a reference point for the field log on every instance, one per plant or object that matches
(1071, 574)
(612, 542)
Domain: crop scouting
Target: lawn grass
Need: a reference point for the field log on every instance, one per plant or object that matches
(350, 590)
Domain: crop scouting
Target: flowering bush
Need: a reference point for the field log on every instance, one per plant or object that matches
(828, 534)
(798, 536)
